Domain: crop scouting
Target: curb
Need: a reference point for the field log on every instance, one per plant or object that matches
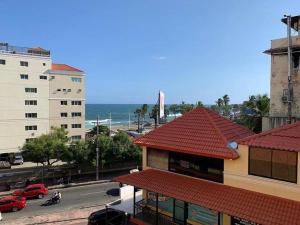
(66, 186)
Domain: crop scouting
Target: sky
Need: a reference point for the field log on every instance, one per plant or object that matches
(193, 50)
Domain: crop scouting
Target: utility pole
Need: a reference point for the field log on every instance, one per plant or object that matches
(97, 150)
(290, 84)
(129, 120)
(110, 124)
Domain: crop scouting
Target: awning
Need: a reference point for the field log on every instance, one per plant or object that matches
(253, 206)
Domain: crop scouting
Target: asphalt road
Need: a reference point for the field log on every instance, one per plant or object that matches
(74, 197)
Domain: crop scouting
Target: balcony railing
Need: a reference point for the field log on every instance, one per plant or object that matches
(149, 216)
(6, 48)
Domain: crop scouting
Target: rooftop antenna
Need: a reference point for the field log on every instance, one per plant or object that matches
(290, 85)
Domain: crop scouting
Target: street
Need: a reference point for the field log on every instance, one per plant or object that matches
(72, 198)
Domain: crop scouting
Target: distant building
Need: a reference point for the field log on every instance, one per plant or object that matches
(279, 78)
(29, 106)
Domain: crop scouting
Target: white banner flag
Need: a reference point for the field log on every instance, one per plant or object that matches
(161, 104)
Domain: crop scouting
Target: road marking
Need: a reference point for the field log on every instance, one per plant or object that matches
(91, 193)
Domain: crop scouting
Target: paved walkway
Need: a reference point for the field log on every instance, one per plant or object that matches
(73, 216)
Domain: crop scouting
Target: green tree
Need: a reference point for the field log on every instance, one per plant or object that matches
(220, 102)
(47, 149)
(174, 109)
(184, 107)
(199, 104)
(253, 110)
(226, 100)
(78, 153)
(103, 130)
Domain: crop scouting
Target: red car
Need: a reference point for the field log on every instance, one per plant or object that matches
(12, 203)
(33, 190)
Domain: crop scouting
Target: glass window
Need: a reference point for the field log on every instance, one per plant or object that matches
(2, 62)
(23, 63)
(65, 126)
(43, 77)
(76, 138)
(31, 90)
(197, 166)
(30, 102)
(64, 102)
(24, 76)
(76, 125)
(64, 114)
(275, 164)
(30, 115)
(76, 79)
(34, 127)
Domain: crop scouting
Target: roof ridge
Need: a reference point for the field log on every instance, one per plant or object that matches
(271, 132)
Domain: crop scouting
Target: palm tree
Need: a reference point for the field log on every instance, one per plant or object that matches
(138, 113)
(220, 102)
(226, 99)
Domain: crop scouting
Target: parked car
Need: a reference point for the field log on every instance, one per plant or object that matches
(17, 159)
(0, 216)
(12, 203)
(110, 215)
(32, 191)
(4, 165)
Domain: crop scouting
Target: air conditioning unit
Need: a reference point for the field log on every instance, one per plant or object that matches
(284, 99)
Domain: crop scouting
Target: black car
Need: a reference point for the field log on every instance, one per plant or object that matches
(108, 216)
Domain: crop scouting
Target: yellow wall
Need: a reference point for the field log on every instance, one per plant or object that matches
(236, 175)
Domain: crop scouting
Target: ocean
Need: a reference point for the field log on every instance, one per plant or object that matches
(119, 114)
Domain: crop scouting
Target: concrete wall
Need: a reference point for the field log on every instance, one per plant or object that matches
(63, 80)
(279, 81)
(236, 175)
(13, 96)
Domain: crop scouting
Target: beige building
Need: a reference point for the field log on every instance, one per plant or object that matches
(279, 78)
(67, 99)
(28, 103)
(194, 172)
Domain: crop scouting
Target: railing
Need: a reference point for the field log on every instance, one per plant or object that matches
(148, 215)
(6, 48)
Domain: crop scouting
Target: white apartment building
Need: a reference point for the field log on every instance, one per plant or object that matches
(28, 103)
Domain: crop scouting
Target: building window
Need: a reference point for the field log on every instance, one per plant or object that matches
(197, 166)
(23, 63)
(59, 89)
(65, 126)
(64, 114)
(76, 138)
(33, 127)
(77, 125)
(29, 139)
(76, 102)
(296, 60)
(44, 64)
(31, 90)
(52, 77)
(2, 62)
(76, 114)
(30, 102)
(24, 76)
(30, 115)
(64, 90)
(43, 77)
(76, 79)
(63, 102)
(69, 90)
(275, 164)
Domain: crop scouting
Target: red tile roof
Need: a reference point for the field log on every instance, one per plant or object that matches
(284, 138)
(249, 205)
(64, 67)
(199, 132)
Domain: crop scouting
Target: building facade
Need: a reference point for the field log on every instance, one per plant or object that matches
(67, 100)
(195, 172)
(279, 78)
(25, 96)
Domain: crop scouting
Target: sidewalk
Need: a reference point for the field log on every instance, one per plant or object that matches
(69, 217)
(61, 186)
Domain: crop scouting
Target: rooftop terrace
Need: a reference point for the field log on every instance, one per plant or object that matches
(36, 51)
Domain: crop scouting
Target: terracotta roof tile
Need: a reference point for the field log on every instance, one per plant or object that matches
(249, 205)
(284, 138)
(199, 132)
(64, 67)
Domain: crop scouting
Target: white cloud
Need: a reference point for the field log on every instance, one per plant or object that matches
(159, 57)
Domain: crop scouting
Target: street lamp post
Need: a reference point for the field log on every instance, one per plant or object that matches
(97, 150)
